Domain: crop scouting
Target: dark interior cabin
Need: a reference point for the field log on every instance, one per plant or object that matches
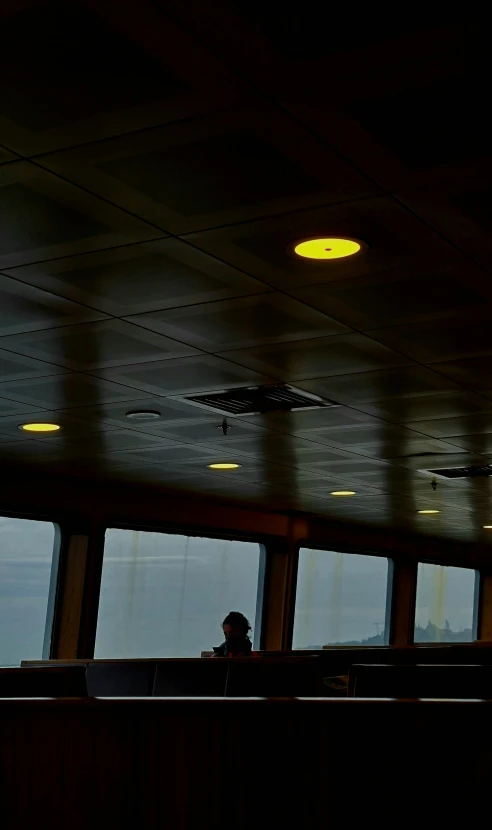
(245, 366)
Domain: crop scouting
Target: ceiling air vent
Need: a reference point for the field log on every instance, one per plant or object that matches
(464, 472)
(257, 400)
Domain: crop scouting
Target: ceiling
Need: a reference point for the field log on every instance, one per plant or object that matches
(157, 160)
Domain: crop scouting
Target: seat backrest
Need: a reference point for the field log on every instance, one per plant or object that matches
(40, 682)
(421, 681)
(190, 678)
(274, 678)
(120, 679)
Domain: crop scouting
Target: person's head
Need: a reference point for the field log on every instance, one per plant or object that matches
(235, 625)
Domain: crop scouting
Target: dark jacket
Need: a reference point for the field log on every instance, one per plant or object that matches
(234, 647)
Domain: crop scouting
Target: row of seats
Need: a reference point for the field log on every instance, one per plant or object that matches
(421, 681)
(237, 677)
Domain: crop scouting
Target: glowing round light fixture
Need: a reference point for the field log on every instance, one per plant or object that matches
(487, 527)
(40, 427)
(428, 512)
(223, 466)
(329, 247)
(343, 493)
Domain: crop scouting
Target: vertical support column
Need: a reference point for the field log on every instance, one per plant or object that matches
(92, 587)
(274, 597)
(485, 607)
(70, 595)
(403, 602)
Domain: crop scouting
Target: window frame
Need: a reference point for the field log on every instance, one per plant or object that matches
(324, 546)
(477, 604)
(262, 540)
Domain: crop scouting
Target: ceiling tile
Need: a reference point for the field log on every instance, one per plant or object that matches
(202, 373)
(67, 390)
(388, 299)
(96, 345)
(397, 243)
(229, 167)
(423, 407)
(312, 422)
(465, 425)
(24, 309)
(138, 278)
(321, 357)
(172, 453)
(470, 373)
(130, 83)
(18, 367)
(45, 217)
(171, 413)
(102, 442)
(442, 340)
(267, 318)
(386, 384)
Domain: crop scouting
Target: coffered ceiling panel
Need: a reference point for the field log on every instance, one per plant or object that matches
(228, 167)
(311, 422)
(130, 82)
(45, 216)
(423, 407)
(469, 373)
(398, 243)
(393, 299)
(466, 425)
(96, 345)
(24, 309)
(140, 278)
(18, 367)
(443, 340)
(266, 318)
(387, 384)
(170, 413)
(321, 357)
(66, 390)
(202, 373)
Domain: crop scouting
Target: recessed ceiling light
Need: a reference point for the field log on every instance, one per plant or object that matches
(343, 493)
(223, 466)
(40, 427)
(487, 527)
(143, 415)
(428, 512)
(327, 248)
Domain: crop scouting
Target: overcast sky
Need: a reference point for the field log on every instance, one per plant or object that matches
(166, 595)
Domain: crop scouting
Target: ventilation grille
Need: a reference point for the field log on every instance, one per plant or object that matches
(257, 400)
(464, 472)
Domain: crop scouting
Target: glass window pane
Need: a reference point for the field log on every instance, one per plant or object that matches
(165, 595)
(26, 554)
(341, 598)
(445, 604)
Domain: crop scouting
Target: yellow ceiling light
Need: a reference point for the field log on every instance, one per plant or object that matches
(40, 427)
(329, 247)
(223, 466)
(428, 512)
(487, 527)
(343, 493)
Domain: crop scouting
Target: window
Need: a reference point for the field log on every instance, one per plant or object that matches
(445, 606)
(341, 599)
(28, 573)
(165, 595)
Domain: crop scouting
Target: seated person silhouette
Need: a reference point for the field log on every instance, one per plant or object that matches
(237, 642)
